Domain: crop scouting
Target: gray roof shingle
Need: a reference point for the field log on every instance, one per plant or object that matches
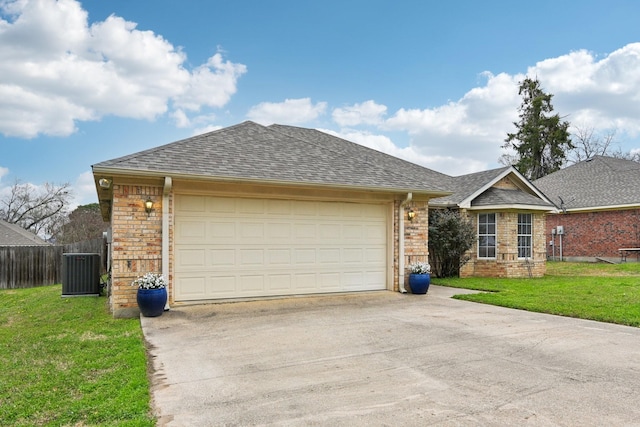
(281, 154)
(594, 183)
(503, 196)
(465, 186)
(14, 235)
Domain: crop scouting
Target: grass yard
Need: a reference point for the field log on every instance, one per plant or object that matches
(67, 362)
(602, 292)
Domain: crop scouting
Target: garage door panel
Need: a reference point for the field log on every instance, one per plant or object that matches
(192, 231)
(279, 257)
(252, 232)
(220, 230)
(279, 231)
(305, 282)
(251, 258)
(375, 256)
(329, 256)
(262, 247)
(280, 284)
(220, 286)
(222, 257)
(304, 256)
(251, 284)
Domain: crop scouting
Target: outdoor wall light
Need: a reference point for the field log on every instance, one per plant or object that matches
(411, 214)
(148, 205)
(104, 183)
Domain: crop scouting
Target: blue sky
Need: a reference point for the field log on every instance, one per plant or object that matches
(431, 82)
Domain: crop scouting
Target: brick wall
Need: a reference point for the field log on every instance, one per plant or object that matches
(416, 247)
(136, 243)
(507, 263)
(594, 234)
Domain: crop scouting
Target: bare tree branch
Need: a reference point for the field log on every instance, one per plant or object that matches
(588, 143)
(38, 209)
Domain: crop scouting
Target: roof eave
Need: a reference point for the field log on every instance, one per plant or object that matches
(514, 206)
(102, 170)
(602, 208)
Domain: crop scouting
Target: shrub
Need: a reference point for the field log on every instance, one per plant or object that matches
(450, 236)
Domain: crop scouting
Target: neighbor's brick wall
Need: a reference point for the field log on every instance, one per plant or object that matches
(416, 244)
(594, 234)
(136, 243)
(506, 263)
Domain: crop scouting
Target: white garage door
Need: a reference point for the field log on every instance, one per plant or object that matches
(233, 247)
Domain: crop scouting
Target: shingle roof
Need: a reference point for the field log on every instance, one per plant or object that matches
(594, 183)
(466, 186)
(280, 154)
(14, 235)
(503, 196)
(415, 173)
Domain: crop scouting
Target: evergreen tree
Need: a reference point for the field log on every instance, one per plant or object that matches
(542, 139)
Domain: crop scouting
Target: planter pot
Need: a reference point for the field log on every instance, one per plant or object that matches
(419, 283)
(152, 301)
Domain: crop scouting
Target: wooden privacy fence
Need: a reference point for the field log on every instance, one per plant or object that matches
(30, 266)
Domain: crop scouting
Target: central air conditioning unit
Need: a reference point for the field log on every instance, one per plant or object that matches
(80, 275)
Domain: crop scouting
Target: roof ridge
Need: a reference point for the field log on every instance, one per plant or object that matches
(355, 144)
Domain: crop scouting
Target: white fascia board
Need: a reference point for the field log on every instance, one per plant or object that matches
(512, 207)
(603, 208)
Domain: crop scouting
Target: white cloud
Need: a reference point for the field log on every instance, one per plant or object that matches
(452, 164)
(602, 92)
(206, 129)
(84, 190)
(52, 78)
(180, 118)
(467, 135)
(3, 171)
(291, 111)
(367, 112)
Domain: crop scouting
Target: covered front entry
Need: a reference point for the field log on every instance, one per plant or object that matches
(247, 247)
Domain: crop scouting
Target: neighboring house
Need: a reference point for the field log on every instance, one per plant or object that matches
(598, 209)
(509, 215)
(251, 211)
(14, 235)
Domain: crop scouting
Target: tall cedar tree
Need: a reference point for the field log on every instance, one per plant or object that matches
(542, 139)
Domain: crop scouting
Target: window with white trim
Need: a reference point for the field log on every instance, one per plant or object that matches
(525, 228)
(487, 235)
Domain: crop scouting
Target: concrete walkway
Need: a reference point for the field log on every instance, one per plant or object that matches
(383, 358)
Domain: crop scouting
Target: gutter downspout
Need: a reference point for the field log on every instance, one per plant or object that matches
(401, 243)
(165, 231)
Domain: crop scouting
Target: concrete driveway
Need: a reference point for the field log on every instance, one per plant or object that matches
(389, 359)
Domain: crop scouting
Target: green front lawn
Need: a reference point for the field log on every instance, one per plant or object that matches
(602, 292)
(67, 362)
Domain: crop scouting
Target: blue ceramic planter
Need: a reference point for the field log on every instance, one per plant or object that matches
(152, 301)
(419, 283)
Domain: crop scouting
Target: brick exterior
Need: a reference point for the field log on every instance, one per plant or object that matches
(137, 243)
(416, 238)
(507, 263)
(591, 235)
(136, 246)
